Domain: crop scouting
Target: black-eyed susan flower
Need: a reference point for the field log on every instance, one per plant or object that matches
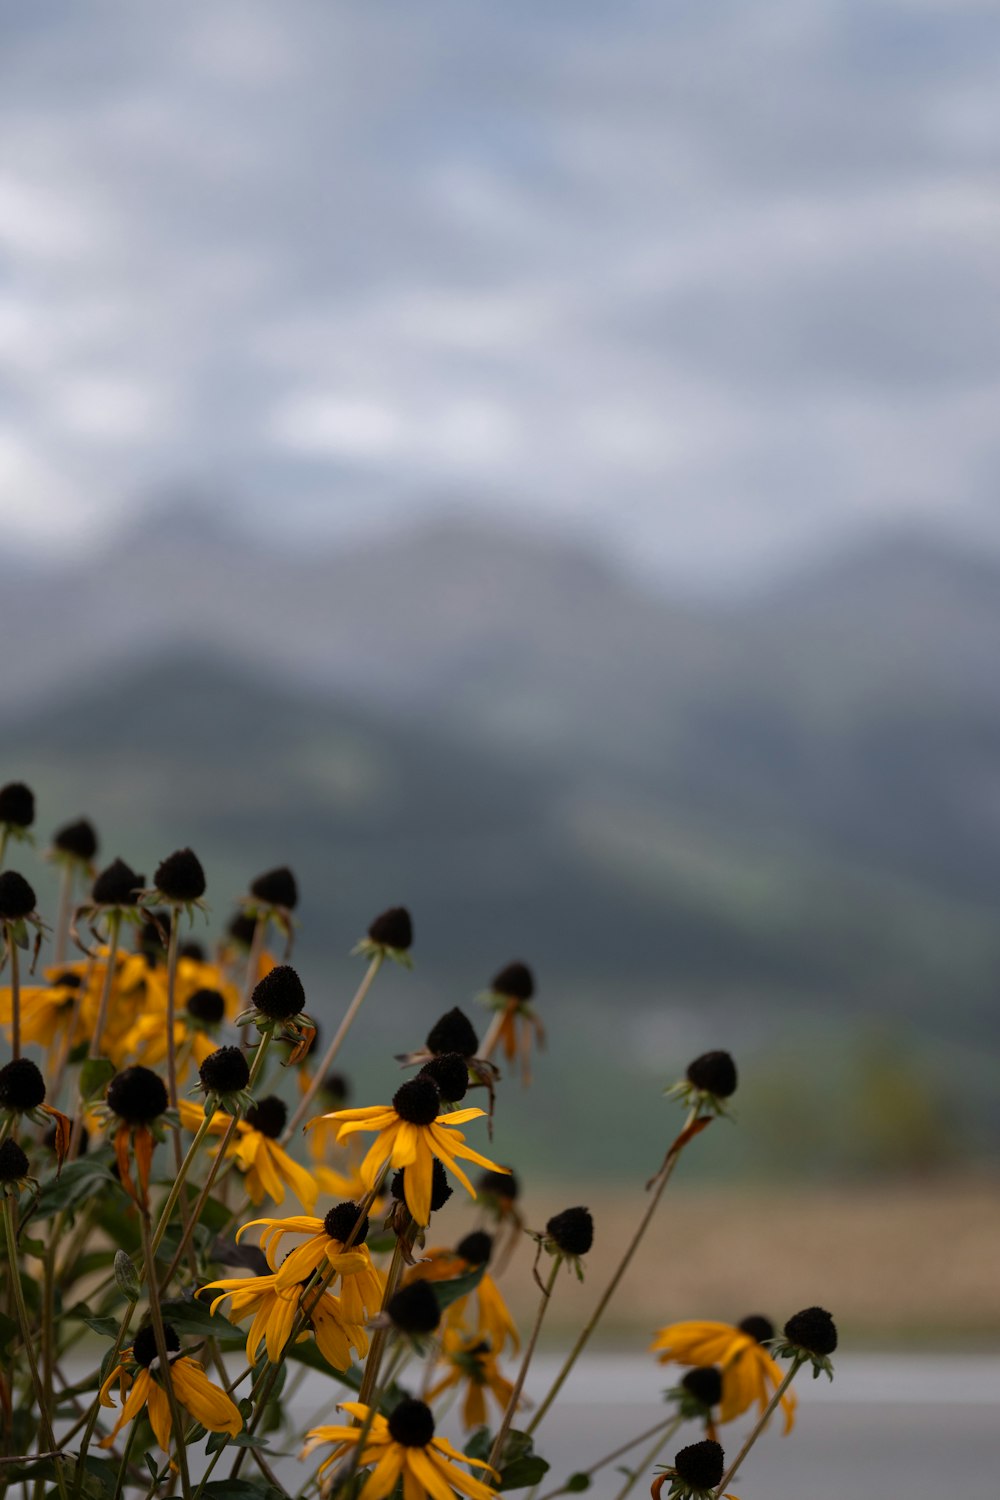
(268, 1169)
(136, 1102)
(362, 1283)
(50, 1013)
(22, 1092)
(471, 1364)
(225, 1078)
(569, 1234)
(179, 880)
(17, 808)
(516, 1025)
(809, 1336)
(141, 1382)
(696, 1472)
(403, 1447)
(275, 1310)
(75, 842)
(709, 1082)
(749, 1374)
(484, 1304)
(390, 935)
(411, 1132)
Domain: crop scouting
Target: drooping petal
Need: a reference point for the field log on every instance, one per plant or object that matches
(206, 1402)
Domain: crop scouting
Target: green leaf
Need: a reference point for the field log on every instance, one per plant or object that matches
(194, 1317)
(106, 1327)
(577, 1483)
(80, 1181)
(95, 1075)
(480, 1444)
(241, 1489)
(523, 1472)
(449, 1291)
(219, 1440)
(308, 1354)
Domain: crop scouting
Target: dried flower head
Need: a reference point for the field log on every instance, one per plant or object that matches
(180, 877)
(454, 1032)
(279, 996)
(22, 1086)
(76, 840)
(450, 1073)
(276, 888)
(415, 1309)
(17, 899)
(17, 805)
(117, 885)
(571, 1232)
(137, 1095)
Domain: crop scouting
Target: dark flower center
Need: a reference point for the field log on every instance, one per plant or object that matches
(340, 1221)
(276, 888)
(572, 1231)
(500, 1185)
(68, 981)
(476, 1248)
(441, 1189)
(758, 1327)
(268, 1116)
(207, 1005)
(411, 1423)
(17, 899)
(137, 1095)
(418, 1102)
(516, 982)
(192, 949)
(813, 1329)
(241, 929)
(77, 839)
(393, 929)
(415, 1308)
(144, 1344)
(17, 804)
(453, 1033)
(336, 1088)
(280, 995)
(180, 877)
(451, 1074)
(13, 1162)
(701, 1465)
(713, 1073)
(224, 1071)
(118, 885)
(704, 1383)
(21, 1085)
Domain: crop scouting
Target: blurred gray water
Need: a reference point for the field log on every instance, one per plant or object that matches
(893, 1426)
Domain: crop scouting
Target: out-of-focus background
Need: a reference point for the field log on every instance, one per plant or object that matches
(539, 465)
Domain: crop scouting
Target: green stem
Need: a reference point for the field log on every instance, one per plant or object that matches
(762, 1422)
(671, 1423)
(44, 1422)
(649, 1460)
(126, 1455)
(381, 1335)
(65, 907)
(95, 1410)
(178, 1182)
(515, 1395)
(162, 1353)
(331, 1052)
(114, 928)
(663, 1177)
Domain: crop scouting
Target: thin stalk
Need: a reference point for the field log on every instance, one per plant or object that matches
(178, 1182)
(492, 1036)
(44, 1422)
(126, 1455)
(253, 964)
(399, 1355)
(15, 990)
(95, 1410)
(334, 1047)
(61, 934)
(162, 1353)
(114, 928)
(515, 1394)
(649, 1460)
(663, 1177)
(195, 1217)
(755, 1433)
(380, 1336)
(671, 1423)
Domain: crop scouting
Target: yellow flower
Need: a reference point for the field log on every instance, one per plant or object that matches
(471, 1359)
(50, 1015)
(145, 1387)
(274, 1310)
(267, 1166)
(402, 1447)
(411, 1133)
(749, 1373)
(361, 1289)
(494, 1321)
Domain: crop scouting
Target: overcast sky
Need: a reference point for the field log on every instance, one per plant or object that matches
(712, 281)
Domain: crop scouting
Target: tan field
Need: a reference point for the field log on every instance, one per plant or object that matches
(897, 1264)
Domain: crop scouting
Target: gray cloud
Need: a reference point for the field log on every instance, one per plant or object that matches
(713, 284)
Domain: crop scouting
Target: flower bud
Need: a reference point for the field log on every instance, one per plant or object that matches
(126, 1276)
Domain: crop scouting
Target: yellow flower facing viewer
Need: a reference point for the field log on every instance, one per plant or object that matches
(267, 1167)
(493, 1320)
(411, 1133)
(142, 1384)
(402, 1447)
(749, 1373)
(275, 1309)
(361, 1288)
(471, 1361)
